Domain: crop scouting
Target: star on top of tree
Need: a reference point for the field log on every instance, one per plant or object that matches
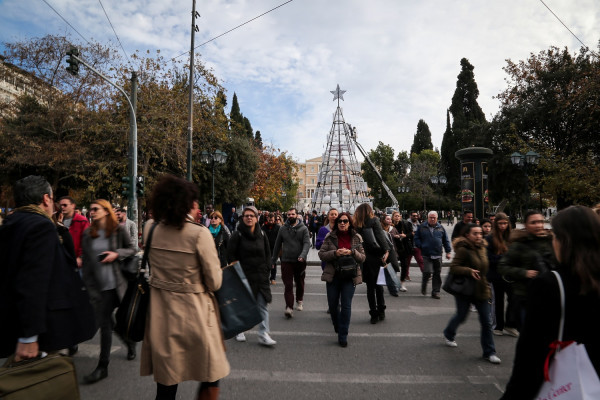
(337, 93)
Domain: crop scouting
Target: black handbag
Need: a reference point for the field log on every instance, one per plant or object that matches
(370, 241)
(459, 285)
(237, 306)
(131, 314)
(130, 267)
(346, 267)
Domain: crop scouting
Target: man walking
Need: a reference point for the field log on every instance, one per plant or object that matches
(129, 225)
(467, 219)
(75, 223)
(431, 238)
(294, 238)
(43, 306)
(415, 251)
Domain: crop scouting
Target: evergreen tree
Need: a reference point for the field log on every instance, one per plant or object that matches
(235, 115)
(422, 138)
(248, 129)
(449, 164)
(258, 140)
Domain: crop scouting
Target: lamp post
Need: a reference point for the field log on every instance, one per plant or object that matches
(524, 161)
(438, 181)
(403, 189)
(217, 157)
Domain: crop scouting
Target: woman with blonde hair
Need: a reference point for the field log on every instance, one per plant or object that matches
(104, 245)
(220, 235)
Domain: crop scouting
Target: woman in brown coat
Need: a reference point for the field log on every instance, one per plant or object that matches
(183, 339)
(471, 260)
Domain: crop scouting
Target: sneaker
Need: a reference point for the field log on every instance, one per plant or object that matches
(472, 308)
(240, 337)
(497, 332)
(436, 296)
(424, 292)
(403, 288)
(511, 332)
(450, 343)
(299, 306)
(288, 312)
(266, 340)
(493, 359)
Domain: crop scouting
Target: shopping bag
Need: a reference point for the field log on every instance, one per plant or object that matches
(381, 277)
(237, 306)
(393, 277)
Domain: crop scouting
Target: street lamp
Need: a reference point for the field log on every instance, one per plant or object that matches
(438, 181)
(218, 157)
(524, 161)
(403, 189)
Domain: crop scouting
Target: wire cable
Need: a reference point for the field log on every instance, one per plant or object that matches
(115, 32)
(563, 24)
(67, 22)
(233, 29)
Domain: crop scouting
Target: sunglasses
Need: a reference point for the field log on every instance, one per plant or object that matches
(343, 221)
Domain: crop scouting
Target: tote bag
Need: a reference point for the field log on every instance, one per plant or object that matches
(570, 375)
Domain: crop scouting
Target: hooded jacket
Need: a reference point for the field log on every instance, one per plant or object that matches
(470, 256)
(295, 241)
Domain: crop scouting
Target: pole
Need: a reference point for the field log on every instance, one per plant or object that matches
(132, 210)
(191, 105)
(213, 181)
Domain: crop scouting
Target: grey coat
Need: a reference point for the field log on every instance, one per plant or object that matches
(295, 241)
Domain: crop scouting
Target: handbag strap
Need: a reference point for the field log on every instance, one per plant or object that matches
(561, 289)
(147, 248)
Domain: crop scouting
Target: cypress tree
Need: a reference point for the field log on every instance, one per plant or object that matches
(258, 140)
(422, 138)
(449, 164)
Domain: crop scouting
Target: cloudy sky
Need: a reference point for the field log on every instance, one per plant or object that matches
(397, 59)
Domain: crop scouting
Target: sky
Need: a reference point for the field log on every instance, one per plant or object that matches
(397, 59)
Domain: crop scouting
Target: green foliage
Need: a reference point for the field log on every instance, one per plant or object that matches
(422, 167)
(422, 138)
(383, 158)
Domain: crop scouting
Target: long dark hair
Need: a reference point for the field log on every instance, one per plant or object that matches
(172, 199)
(500, 239)
(363, 213)
(577, 229)
(350, 223)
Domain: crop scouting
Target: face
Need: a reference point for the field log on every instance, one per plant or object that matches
(343, 223)
(388, 220)
(492, 219)
(414, 217)
(535, 224)
(468, 218)
(97, 212)
(249, 218)
(333, 214)
(502, 225)
(66, 207)
(48, 204)
(215, 221)
(475, 236)
(432, 219)
(195, 209)
(121, 216)
(396, 218)
(271, 220)
(486, 228)
(209, 209)
(292, 214)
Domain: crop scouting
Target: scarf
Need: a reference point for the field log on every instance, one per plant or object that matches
(214, 231)
(32, 208)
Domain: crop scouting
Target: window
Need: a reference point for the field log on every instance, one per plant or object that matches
(312, 181)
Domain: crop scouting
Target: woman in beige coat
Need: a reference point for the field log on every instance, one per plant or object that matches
(183, 339)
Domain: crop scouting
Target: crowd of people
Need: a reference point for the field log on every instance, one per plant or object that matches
(51, 253)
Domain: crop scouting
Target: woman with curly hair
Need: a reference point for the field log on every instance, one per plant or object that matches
(183, 339)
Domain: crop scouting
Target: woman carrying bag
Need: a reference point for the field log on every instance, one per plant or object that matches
(470, 260)
(342, 243)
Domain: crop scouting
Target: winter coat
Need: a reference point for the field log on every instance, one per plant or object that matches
(222, 243)
(183, 339)
(327, 254)
(526, 252)
(370, 267)
(295, 241)
(432, 243)
(468, 256)
(494, 259)
(78, 225)
(252, 250)
(271, 231)
(404, 246)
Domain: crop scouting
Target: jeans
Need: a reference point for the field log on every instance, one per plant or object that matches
(340, 291)
(293, 272)
(462, 311)
(263, 327)
(432, 266)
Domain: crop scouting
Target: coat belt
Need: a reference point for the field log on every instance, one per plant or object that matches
(176, 286)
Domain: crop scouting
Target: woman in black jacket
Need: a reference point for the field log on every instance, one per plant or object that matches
(220, 235)
(250, 246)
(577, 248)
(271, 229)
(377, 249)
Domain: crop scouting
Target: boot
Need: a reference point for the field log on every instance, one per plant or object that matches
(98, 374)
(381, 312)
(207, 393)
(374, 316)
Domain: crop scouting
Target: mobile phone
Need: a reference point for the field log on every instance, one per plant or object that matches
(102, 256)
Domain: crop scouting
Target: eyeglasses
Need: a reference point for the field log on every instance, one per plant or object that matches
(343, 221)
(249, 216)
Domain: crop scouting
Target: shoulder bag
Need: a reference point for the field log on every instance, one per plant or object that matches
(459, 285)
(370, 241)
(346, 267)
(570, 375)
(131, 314)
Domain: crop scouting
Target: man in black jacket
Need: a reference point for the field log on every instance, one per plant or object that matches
(43, 306)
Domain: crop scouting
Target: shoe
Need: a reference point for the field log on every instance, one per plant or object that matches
(240, 337)
(288, 312)
(511, 332)
(424, 292)
(472, 308)
(343, 343)
(450, 343)
(497, 332)
(436, 296)
(98, 374)
(381, 315)
(328, 312)
(403, 288)
(374, 317)
(273, 282)
(394, 294)
(493, 359)
(408, 279)
(266, 340)
(131, 353)
(299, 306)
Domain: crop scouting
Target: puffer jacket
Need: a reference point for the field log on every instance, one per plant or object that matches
(469, 256)
(327, 254)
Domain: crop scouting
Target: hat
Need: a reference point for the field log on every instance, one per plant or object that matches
(253, 209)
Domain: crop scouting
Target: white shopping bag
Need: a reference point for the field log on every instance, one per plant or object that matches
(572, 376)
(381, 276)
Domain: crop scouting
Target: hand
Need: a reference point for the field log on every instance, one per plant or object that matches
(300, 259)
(447, 256)
(385, 256)
(26, 350)
(531, 273)
(402, 235)
(475, 274)
(79, 262)
(111, 256)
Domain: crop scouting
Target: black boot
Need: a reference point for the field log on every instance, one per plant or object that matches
(374, 316)
(99, 373)
(131, 353)
(381, 312)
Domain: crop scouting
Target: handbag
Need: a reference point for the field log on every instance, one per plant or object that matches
(131, 314)
(381, 277)
(130, 267)
(462, 285)
(346, 267)
(47, 377)
(393, 277)
(370, 241)
(570, 375)
(237, 306)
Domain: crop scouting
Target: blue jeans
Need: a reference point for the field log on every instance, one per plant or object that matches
(340, 291)
(462, 311)
(263, 327)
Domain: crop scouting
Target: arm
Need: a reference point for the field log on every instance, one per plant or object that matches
(327, 251)
(209, 261)
(305, 245)
(232, 246)
(446, 243)
(321, 237)
(461, 263)
(510, 263)
(417, 237)
(276, 249)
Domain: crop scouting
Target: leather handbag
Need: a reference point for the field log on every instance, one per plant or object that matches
(47, 377)
(459, 285)
(130, 267)
(131, 314)
(346, 267)
(237, 306)
(370, 241)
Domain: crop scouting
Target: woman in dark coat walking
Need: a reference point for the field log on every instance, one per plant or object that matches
(220, 235)
(377, 249)
(271, 229)
(250, 246)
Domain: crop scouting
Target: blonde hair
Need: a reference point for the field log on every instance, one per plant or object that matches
(219, 215)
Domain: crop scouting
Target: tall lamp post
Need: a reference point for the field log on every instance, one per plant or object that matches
(438, 181)
(217, 157)
(403, 189)
(524, 161)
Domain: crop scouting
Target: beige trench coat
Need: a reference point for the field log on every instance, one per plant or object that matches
(183, 339)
